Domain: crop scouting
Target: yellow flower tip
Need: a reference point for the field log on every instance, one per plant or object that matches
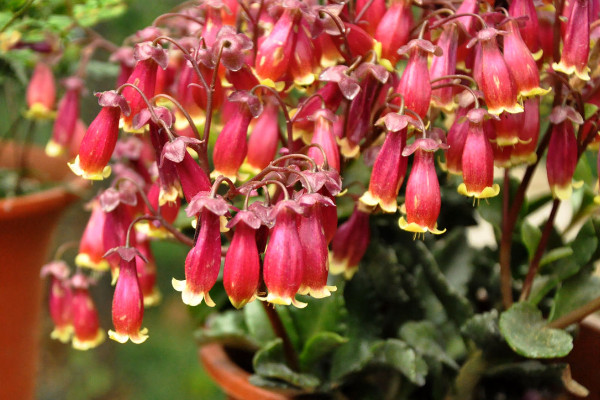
(513, 109)
(223, 224)
(597, 199)
(337, 266)
(83, 260)
(39, 111)
(584, 75)
(322, 292)
(54, 149)
(248, 170)
(114, 273)
(240, 304)
(137, 338)
(505, 141)
(127, 127)
(169, 196)
(279, 86)
(562, 192)
(93, 176)
(348, 149)
(490, 191)
(62, 334)
(89, 344)
(387, 64)
(445, 107)
(147, 229)
(537, 91)
(188, 296)
(305, 80)
(182, 123)
(153, 298)
(538, 54)
(350, 271)
(371, 201)
(216, 173)
(418, 229)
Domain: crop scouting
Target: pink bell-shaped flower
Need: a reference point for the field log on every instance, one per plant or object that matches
(143, 76)
(325, 137)
(561, 159)
(389, 168)
(350, 243)
(507, 128)
(314, 248)
(423, 199)
(530, 29)
(495, 80)
(91, 250)
(128, 301)
(146, 272)
(203, 262)
(521, 64)
(576, 42)
(241, 271)
(284, 262)
(524, 151)
(477, 160)
(231, 147)
(393, 30)
(60, 300)
(445, 64)
(66, 118)
(100, 138)
(415, 83)
(371, 16)
(41, 92)
(263, 141)
(86, 324)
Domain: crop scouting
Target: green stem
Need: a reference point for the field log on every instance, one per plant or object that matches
(17, 14)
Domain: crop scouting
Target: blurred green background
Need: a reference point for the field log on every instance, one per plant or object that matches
(166, 366)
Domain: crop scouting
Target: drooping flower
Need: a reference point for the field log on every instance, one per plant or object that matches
(203, 262)
(60, 300)
(477, 160)
(350, 243)
(66, 118)
(561, 159)
(576, 42)
(445, 64)
(242, 262)
(423, 198)
(86, 324)
(263, 141)
(100, 138)
(530, 28)
(524, 151)
(284, 262)
(389, 168)
(372, 15)
(91, 250)
(41, 92)
(324, 137)
(393, 30)
(128, 301)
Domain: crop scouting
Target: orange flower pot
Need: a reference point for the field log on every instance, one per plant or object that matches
(26, 227)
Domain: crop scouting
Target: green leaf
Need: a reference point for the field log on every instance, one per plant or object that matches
(525, 331)
(483, 330)
(318, 346)
(585, 244)
(257, 321)
(350, 357)
(574, 293)
(423, 337)
(556, 254)
(269, 362)
(457, 306)
(402, 357)
(94, 11)
(530, 235)
(227, 327)
(589, 109)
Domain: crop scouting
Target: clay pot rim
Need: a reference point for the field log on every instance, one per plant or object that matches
(232, 379)
(68, 186)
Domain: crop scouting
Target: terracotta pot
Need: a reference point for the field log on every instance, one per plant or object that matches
(233, 379)
(585, 357)
(26, 226)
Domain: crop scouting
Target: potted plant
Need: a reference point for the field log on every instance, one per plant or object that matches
(380, 135)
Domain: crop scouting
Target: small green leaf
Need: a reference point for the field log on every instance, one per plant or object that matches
(525, 331)
(318, 346)
(483, 330)
(226, 327)
(556, 254)
(350, 357)
(423, 337)
(402, 357)
(257, 322)
(574, 293)
(531, 236)
(589, 109)
(585, 244)
(269, 362)
(457, 306)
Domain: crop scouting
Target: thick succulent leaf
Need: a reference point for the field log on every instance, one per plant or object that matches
(423, 337)
(350, 357)
(484, 331)
(269, 362)
(526, 333)
(400, 356)
(257, 322)
(574, 293)
(318, 346)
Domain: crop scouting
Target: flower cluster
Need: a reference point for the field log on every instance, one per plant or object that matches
(360, 81)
